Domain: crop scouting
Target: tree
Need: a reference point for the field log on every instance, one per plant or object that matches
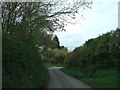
(31, 18)
(99, 53)
(28, 28)
(56, 42)
(55, 56)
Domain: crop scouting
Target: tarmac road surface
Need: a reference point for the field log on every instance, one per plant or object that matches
(58, 79)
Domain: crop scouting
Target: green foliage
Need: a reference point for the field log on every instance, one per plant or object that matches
(27, 35)
(96, 62)
(49, 65)
(56, 42)
(104, 79)
(55, 56)
(21, 64)
(99, 53)
(101, 79)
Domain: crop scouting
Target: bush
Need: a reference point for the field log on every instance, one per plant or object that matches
(55, 56)
(21, 64)
(100, 79)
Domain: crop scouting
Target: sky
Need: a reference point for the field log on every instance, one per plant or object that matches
(102, 18)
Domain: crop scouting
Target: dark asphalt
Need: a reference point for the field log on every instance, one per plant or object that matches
(58, 79)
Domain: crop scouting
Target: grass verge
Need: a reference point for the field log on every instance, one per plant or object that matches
(100, 79)
(48, 65)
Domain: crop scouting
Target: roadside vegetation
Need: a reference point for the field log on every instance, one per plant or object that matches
(28, 40)
(100, 79)
(29, 47)
(49, 65)
(97, 61)
(22, 65)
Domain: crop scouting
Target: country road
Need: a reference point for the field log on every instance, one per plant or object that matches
(58, 79)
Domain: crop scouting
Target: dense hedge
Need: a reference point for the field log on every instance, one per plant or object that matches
(21, 64)
(102, 52)
(96, 62)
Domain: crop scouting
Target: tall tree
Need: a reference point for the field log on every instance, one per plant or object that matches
(26, 25)
(29, 19)
(56, 42)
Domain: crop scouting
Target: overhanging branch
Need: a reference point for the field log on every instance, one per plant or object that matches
(60, 13)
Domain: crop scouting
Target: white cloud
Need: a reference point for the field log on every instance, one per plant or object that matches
(102, 18)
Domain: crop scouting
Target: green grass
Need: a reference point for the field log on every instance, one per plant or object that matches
(105, 79)
(100, 79)
(48, 65)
